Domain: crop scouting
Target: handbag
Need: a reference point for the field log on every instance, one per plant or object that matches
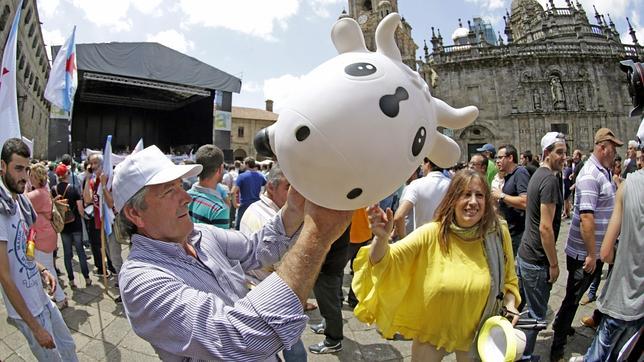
(64, 208)
(57, 221)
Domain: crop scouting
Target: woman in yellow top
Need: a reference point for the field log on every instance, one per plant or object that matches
(433, 285)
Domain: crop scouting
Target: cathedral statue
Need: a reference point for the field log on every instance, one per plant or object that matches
(557, 92)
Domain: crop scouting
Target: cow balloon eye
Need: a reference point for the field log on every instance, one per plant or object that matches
(419, 141)
(360, 69)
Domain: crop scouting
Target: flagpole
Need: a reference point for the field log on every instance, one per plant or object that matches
(104, 258)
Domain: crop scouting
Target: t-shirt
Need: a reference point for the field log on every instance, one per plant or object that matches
(516, 183)
(24, 273)
(207, 207)
(595, 193)
(491, 171)
(250, 185)
(425, 194)
(622, 296)
(72, 195)
(543, 189)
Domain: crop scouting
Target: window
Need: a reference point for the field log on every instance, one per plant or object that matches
(559, 127)
(28, 16)
(32, 29)
(4, 18)
(240, 132)
(21, 63)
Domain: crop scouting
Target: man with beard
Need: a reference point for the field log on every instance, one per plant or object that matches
(537, 265)
(22, 279)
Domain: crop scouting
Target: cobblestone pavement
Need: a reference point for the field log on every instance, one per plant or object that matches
(101, 330)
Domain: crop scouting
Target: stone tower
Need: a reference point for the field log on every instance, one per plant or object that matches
(368, 14)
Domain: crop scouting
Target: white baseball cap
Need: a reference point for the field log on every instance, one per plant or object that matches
(145, 168)
(550, 139)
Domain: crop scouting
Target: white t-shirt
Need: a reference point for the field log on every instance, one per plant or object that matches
(425, 194)
(24, 273)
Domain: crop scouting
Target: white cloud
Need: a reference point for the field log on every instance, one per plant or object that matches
(321, 7)
(489, 4)
(252, 17)
(47, 8)
(54, 37)
(616, 8)
(639, 30)
(250, 87)
(111, 14)
(173, 39)
(278, 89)
(149, 7)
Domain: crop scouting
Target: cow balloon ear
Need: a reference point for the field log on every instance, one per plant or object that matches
(385, 37)
(347, 36)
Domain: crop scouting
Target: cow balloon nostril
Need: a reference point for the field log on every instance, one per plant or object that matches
(262, 143)
(354, 193)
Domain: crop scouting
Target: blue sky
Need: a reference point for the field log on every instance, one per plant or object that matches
(269, 44)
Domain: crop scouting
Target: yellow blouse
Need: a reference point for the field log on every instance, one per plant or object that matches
(426, 295)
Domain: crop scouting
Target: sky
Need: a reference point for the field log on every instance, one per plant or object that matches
(271, 44)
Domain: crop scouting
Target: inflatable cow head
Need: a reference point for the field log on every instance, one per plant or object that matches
(361, 123)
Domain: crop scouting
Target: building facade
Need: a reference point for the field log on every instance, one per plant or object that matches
(246, 122)
(555, 71)
(32, 71)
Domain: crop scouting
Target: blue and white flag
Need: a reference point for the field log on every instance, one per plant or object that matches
(63, 78)
(107, 216)
(9, 121)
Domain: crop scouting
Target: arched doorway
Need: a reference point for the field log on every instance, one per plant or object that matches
(239, 154)
(475, 136)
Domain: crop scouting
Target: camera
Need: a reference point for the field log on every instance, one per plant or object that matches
(635, 79)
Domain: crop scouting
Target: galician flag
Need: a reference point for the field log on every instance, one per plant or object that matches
(63, 78)
(107, 216)
(9, 122)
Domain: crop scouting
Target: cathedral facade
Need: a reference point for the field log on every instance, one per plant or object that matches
(555, 71)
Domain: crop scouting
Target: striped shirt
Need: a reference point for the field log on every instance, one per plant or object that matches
(199, 308)
(594, 192)
(208, 207)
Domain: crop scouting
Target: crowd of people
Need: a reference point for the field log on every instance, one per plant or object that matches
(222, 258)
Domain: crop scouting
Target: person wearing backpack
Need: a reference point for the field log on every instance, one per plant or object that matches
(46, 237)
(72, 232)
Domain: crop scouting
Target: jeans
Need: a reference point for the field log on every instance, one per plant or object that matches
(240, 213)
(535, 288)
(328, 293)
(95, 243)
(611, 336)
(47, 260)
(516, 241)
(53, 322)
(74, 240)
(576, 285)
(297, 353)
(592, 290)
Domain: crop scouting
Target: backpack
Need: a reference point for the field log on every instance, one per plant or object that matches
(57, 221)
(65, 210)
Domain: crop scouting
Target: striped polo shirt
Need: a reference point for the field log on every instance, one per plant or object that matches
(594, 192)
(207, 207)
(198, 309)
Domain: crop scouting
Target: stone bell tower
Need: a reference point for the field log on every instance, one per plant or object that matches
(368, 14)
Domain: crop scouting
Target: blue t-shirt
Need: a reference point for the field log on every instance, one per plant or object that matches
(250, 185)
(516, 183)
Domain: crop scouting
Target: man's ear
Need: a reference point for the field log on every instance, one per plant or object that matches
(134, 216)
(3, 167)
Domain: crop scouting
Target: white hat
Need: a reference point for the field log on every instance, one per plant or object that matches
(551, 138)
(499, 341)
(144, 168)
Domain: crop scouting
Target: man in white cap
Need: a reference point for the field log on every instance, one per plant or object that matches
(537, 265)
(183, 284)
